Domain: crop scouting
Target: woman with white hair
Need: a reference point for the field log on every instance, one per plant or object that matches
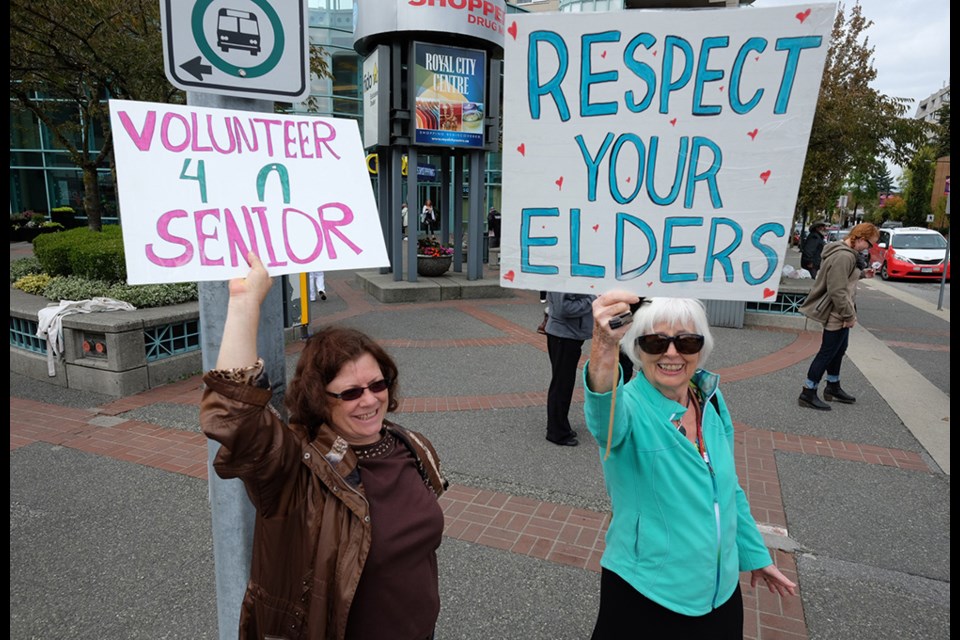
(681, 530)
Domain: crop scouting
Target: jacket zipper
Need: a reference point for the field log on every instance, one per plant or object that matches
(716, 518)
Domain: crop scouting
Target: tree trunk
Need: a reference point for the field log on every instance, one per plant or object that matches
(91, 197)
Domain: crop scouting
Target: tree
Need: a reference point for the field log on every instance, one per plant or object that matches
(68, 57)
(941, 139)
(919, 188)
(854, 126)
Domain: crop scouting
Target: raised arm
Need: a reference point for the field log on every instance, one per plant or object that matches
(605, 345)
(239, 345)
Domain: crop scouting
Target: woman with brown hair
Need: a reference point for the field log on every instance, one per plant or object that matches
(347, 519)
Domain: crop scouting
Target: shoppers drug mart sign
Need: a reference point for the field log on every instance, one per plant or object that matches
(657, 151)
(200, 187)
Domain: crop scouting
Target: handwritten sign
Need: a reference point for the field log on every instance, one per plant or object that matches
(200, 187)
(657, 151)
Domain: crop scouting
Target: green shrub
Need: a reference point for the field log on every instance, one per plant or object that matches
(145, 296)
(75, 288)
(55, 251)
(24, 267)
(34, 284)
(142, 296)
(100, 260)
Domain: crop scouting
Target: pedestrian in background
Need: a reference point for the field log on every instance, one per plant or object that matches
(832, 302)
(681, 530)
(404, 217)
(810, 253)
(569, 324)
(347, 521)
(428, 217)
(316, 285)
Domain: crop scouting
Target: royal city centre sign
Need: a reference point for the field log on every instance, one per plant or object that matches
(245, 48)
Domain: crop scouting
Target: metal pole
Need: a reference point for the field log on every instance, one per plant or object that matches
(231, 514)
(946, 261)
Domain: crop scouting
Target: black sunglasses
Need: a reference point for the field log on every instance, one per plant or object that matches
(354, 393)
(655, 343)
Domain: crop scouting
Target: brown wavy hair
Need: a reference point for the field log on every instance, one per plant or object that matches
(324, 355)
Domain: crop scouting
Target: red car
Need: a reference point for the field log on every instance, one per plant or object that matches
(911, 253)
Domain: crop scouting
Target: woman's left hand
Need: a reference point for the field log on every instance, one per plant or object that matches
(776, 582)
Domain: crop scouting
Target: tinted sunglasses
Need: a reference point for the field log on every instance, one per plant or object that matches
(354, 393)
(655, 343)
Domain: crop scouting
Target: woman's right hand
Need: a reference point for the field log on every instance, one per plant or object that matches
(605, 346)
(255, 286)
(607, 306)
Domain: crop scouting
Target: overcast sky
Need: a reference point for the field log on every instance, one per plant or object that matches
(911, 41)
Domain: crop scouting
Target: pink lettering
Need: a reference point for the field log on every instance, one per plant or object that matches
(267, 124)
(238, 248)
(289, 136)
(230, 136)
(165, 132)
(202, 237)
(163, 230)
(267, 239)
(304, 139)
(286, 242)
(331, 227)
(251, 142)
(320, 138)
(195, 145)
(142, 139)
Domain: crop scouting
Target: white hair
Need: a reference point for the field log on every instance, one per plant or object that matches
(672, 311)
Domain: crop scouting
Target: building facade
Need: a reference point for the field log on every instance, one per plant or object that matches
(43, 179)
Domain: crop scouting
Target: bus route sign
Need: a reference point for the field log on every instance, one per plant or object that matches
(243, 48)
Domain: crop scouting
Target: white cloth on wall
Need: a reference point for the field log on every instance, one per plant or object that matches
(50, 322)
(316, 284)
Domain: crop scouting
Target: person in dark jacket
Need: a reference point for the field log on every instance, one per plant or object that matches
(812, 249)
(569, 324)
(347, 521)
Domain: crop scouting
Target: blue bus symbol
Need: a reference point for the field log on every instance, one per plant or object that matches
(238, 30)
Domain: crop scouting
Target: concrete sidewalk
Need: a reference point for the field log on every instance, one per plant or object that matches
(110, 527)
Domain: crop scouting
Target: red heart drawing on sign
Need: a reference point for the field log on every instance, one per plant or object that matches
(559, 182)
(628, 179)
(674, 122)
(768, 292)
(753, 134)
(595, 227)
(522, 149)
(757, 58)
(512, 30)
(654, 53)
(803, 15)
(603, 55)
(765, 175)
(508, 275)
(650, 284)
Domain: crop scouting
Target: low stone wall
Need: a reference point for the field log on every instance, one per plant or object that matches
(115, 359)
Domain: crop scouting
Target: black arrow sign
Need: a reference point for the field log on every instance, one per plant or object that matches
(196, 68)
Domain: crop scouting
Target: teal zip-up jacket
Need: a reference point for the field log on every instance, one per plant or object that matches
(680, 532)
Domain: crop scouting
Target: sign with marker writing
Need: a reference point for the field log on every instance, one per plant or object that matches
(657, 151)
(200, 187)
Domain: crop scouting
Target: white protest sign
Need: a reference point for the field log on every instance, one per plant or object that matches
(200, 187)
(657, 151)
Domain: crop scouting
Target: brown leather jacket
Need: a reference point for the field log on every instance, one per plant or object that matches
(312, 530)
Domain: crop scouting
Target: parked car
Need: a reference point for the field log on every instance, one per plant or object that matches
(891, 224)
(910, 252)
